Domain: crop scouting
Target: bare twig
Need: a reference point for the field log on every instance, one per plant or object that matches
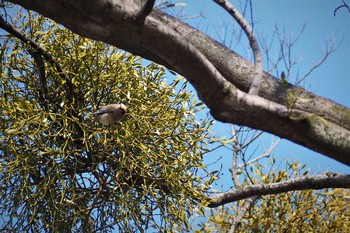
(285, 55)
(255, 85)
(286, 45)
(252, 139)
(344, 5)
(166, 4)
(88, 224)
(266, 154)
(330, 48)
(328, 180)
(179, 12)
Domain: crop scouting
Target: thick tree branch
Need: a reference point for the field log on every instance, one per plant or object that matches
(328, 180)
(220, 77)
(238, 71)
(258, 70)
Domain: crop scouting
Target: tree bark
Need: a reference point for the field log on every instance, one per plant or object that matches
(221, 77)
(328, 180)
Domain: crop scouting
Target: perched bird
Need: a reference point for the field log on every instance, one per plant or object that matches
(110, 114)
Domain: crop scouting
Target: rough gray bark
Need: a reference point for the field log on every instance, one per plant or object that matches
(220, 77)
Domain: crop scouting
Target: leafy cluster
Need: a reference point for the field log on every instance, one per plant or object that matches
(62, 172)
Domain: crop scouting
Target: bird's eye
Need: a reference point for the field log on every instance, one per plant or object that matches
(123, 112)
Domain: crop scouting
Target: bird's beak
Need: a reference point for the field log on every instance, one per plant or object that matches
(123, 109)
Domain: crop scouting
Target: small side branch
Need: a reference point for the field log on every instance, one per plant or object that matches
(344, 5)
(236, 149)
(258, 72)
(327, 180)
(40, 67)
(248, 204)
(145, 10)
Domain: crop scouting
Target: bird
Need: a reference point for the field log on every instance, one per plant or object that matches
(110, 114)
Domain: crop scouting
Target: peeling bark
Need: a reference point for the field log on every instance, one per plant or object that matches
(220, 77)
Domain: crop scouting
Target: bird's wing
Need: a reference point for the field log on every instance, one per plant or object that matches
(108, 109)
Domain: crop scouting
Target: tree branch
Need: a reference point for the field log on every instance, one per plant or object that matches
(266, 154)
(238, 72)
(236, 150)
(40, 67)
(248, 204)
(341, 6)
(145, 10)
(328, 180)
(231, 9)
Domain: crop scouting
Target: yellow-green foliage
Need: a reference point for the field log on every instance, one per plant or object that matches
(301, 211)
(60, 171)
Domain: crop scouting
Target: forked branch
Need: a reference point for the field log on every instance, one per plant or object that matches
(341, 6)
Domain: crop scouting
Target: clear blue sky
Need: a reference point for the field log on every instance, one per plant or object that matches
(331, 80)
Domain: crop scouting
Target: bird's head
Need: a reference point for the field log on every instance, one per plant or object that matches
(122, 108)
